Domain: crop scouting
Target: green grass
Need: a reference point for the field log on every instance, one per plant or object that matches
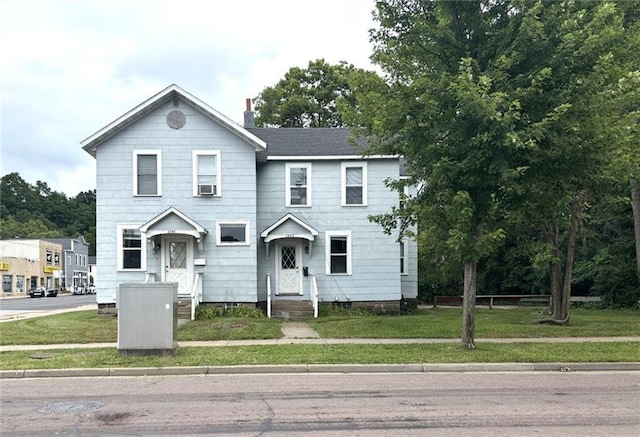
(89, 327)
(499, 323)
(328, 354)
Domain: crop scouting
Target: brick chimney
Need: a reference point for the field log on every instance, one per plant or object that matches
(249, 116)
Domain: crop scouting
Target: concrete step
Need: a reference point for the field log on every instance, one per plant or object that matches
(291, 309)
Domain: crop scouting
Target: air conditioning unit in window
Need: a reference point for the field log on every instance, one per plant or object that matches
(207, 189)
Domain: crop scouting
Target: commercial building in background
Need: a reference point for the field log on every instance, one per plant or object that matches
(26, 264)
(75, 272)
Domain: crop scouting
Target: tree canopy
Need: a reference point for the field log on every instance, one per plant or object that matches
(309, 97)
(495, 105)
(36, 211)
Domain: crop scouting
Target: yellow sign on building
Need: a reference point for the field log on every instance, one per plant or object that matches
(4, 266)
(50, 269)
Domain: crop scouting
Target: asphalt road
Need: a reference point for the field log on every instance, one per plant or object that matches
(19, 306)
(448, 404)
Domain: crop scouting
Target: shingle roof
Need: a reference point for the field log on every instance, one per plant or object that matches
(309, 142)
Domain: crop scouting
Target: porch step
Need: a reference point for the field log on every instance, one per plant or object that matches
(291, 309)
(184, 309)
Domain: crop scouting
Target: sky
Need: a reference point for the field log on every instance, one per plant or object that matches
(70, 67)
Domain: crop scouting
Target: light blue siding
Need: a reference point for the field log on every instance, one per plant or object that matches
(375, 256)
(230, 272)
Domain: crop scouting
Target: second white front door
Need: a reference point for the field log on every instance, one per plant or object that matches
(288, 267)
(178, 261)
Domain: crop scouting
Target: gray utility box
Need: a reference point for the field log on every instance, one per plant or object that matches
(147, 318)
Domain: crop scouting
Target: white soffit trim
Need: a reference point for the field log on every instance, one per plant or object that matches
(329, 157)
(90, 143)
(266, 234)
(197, 231)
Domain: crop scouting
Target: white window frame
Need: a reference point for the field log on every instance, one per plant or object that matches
(404, 256)
(194, 162)
(158, 154)
(343, 182)
(120, 248)
(288, 167)
(328, 236)
(247, 232)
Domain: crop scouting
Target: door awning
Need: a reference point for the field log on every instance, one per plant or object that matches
(173, 221)
(289, 226)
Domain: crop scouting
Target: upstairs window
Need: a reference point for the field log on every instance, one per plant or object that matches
(147, 175)
(206, 173)
(354, 184)
(298, 184)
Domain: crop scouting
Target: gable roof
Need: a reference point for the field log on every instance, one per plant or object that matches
(303, 230)
(90, 143)
(189, 226)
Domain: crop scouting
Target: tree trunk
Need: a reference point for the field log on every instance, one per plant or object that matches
(635, 206)
(555, 269)
(561, 278)
(576, 218)
(469, 304)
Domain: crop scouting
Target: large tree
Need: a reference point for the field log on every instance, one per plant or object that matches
(36, 211)
(309, 97)
(490, 103)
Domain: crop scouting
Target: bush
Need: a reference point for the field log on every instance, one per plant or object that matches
(333, 310)
(208, 312)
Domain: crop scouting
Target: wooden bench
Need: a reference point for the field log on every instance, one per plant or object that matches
(595, 299)
(492, 299)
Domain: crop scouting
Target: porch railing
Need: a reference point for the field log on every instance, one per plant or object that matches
(195, 296)
(314, 295)
(268, 295)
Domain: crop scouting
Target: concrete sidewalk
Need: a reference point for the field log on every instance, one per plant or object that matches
(287, 339)
(301, 333)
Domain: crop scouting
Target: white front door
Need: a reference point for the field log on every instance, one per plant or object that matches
(288, 267)
(178, 261)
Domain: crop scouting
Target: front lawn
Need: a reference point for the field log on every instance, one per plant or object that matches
(89, 327)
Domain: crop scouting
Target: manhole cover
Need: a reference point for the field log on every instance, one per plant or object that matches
(71, 407)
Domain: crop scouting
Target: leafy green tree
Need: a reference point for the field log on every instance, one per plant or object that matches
(308, 97)
(491, 103)
(37, 211)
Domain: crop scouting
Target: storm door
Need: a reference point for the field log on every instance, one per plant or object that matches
(288, 267)
(178, 261)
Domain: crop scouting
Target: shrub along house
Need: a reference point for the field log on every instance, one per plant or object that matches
(242, 215)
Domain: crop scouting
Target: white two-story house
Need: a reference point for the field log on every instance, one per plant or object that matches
(242, 215)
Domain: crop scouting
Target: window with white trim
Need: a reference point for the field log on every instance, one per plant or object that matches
(404, 250)
(206, 173)
(132, 253)
(232, 233)
(338, 252)
(354, 183)
(147, 173)
(298, 184)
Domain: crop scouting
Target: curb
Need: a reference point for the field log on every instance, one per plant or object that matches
(321, 368)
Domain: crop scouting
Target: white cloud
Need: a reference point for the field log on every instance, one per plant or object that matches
(71, 67)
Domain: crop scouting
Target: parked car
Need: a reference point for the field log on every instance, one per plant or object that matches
(91, 289)
(43, 292)
(79, 290)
